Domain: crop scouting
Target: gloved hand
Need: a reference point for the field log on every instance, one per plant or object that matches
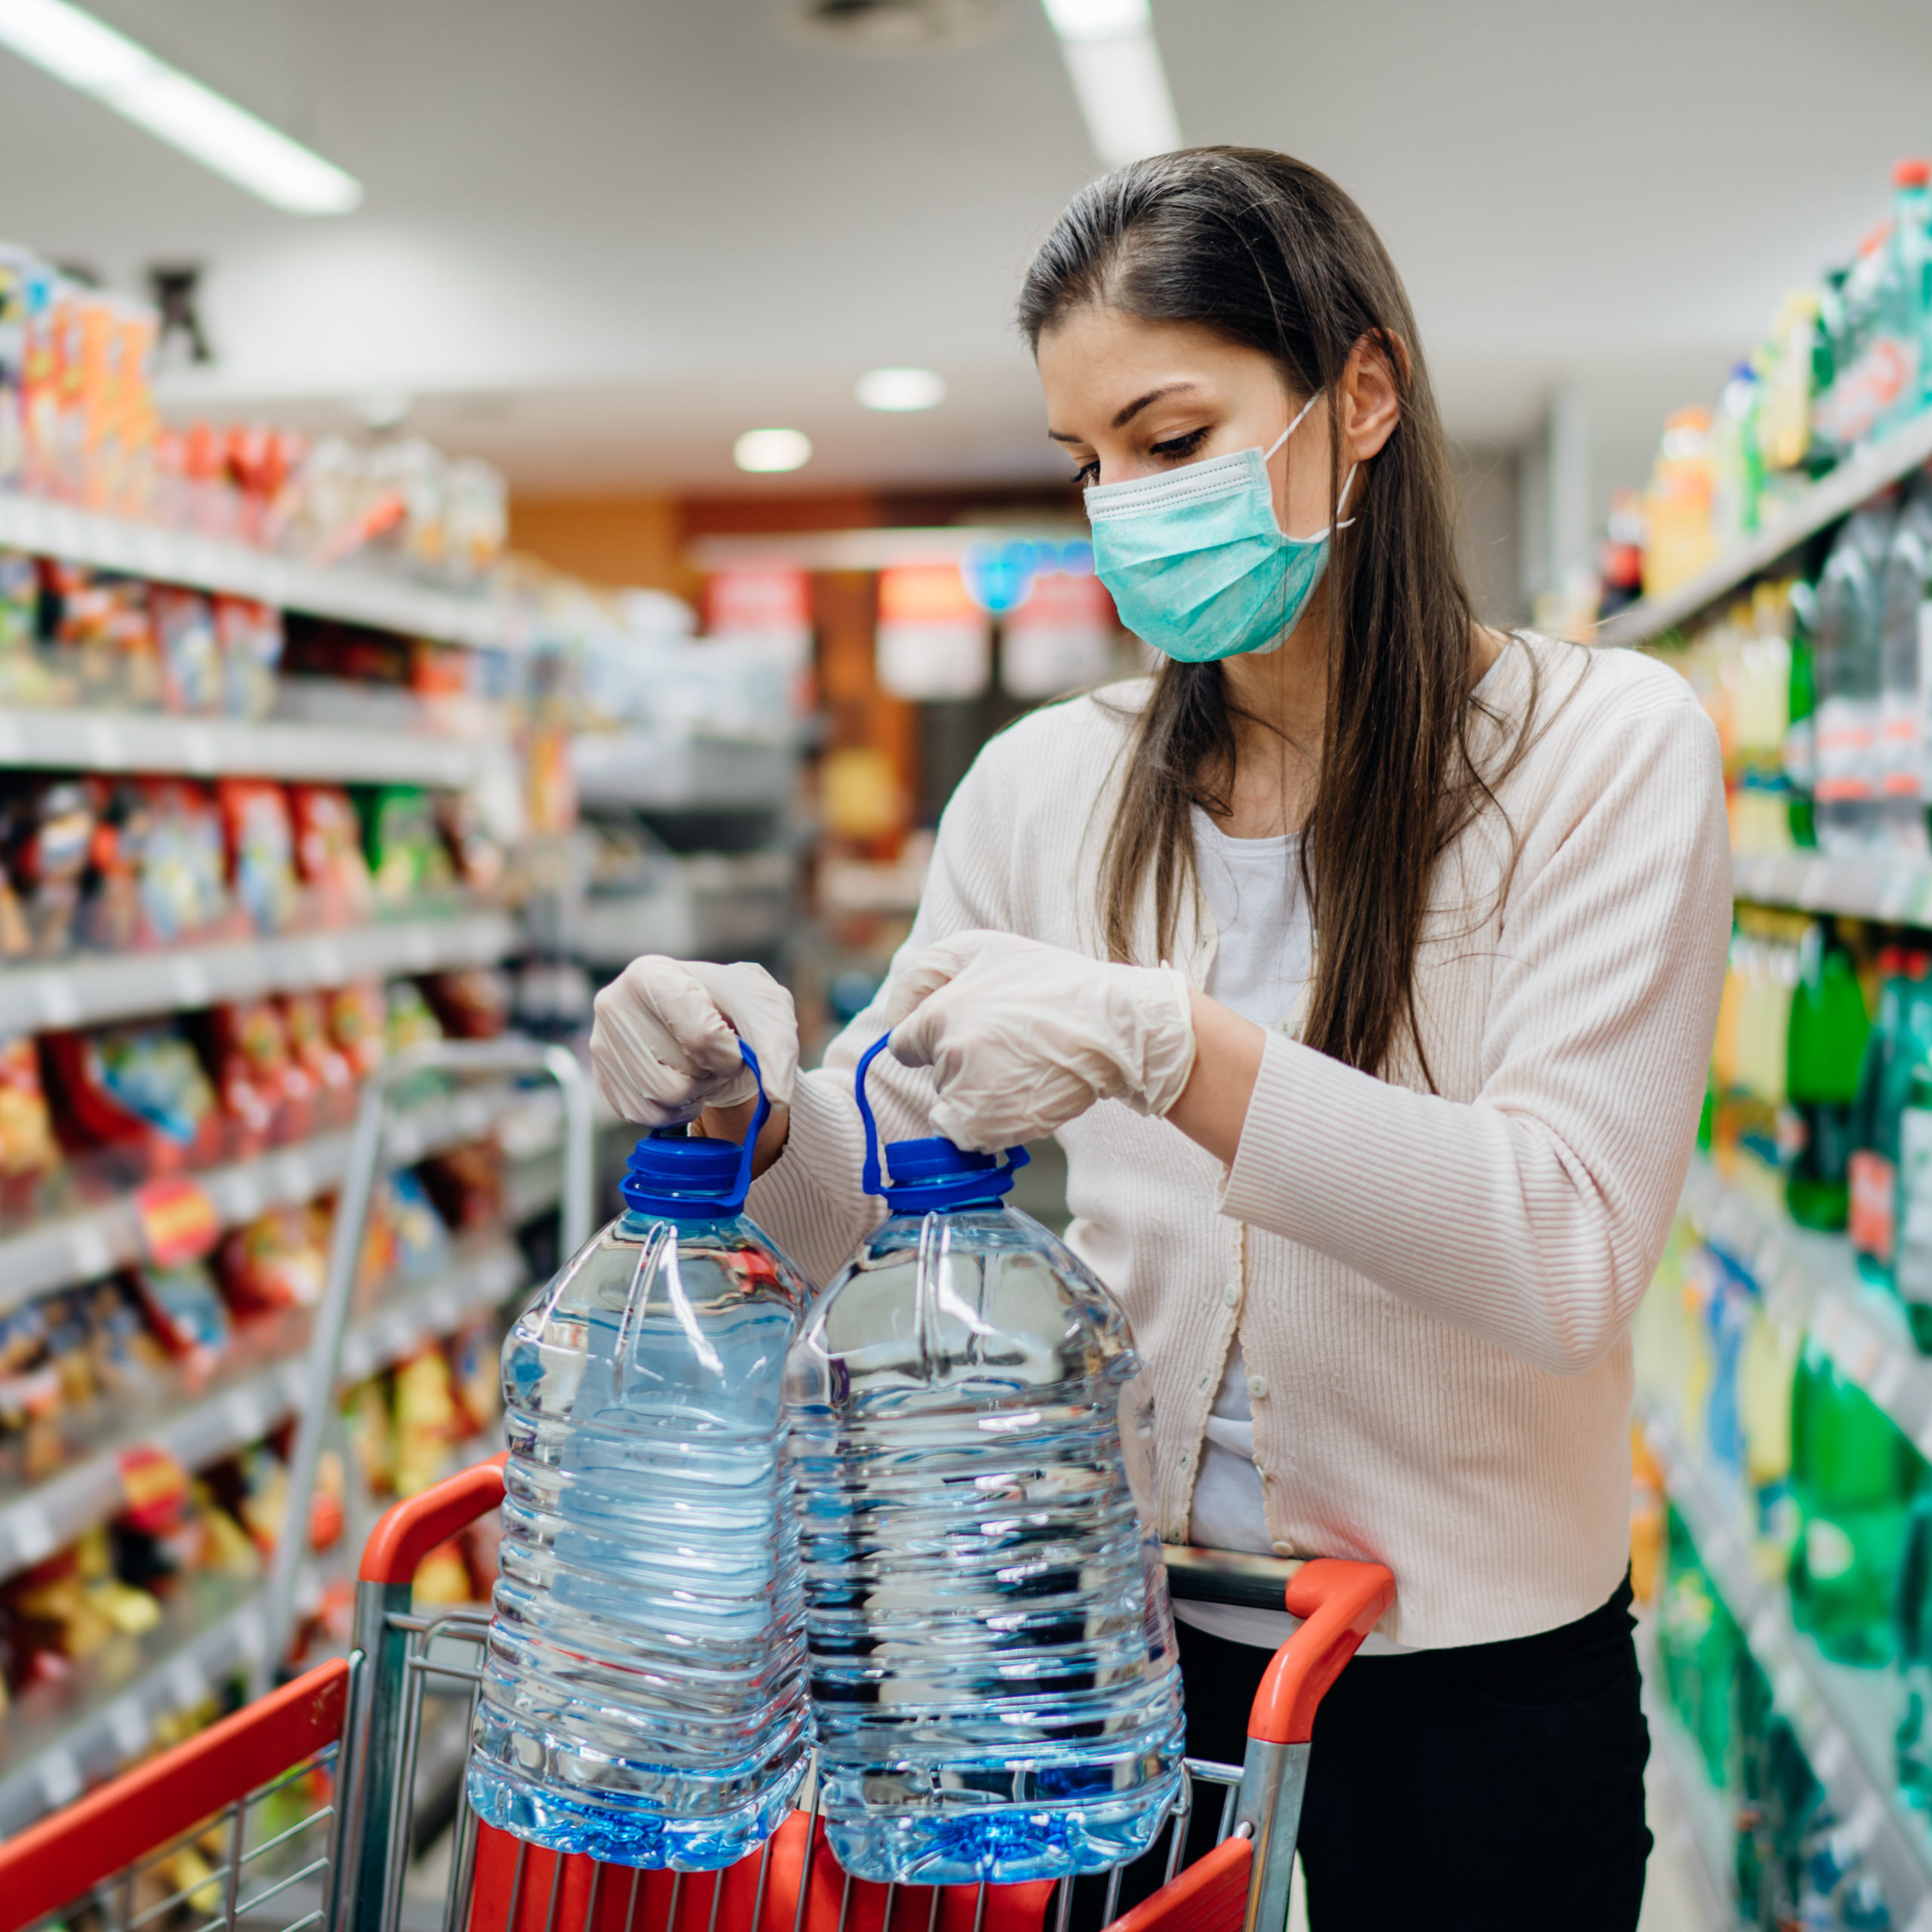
(665, 1045)
(1024, 1037)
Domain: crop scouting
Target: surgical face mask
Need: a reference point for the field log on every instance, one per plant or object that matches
(1197, 564)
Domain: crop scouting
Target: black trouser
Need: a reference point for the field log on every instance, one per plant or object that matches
(1495, 1786)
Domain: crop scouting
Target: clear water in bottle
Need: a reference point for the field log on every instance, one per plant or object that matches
(643, 1696)
(994, 1689)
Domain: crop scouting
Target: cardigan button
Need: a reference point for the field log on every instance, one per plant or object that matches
(1284, 1549)
(1231, 1294)
(1257, 1387)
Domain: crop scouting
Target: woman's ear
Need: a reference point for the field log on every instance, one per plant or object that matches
(1371, 396)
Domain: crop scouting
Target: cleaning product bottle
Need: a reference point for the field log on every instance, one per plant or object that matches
(1901, 708)
(1800, 766)
(1849, 670)
(1898, 318)
(1901, 1033)
(1825, 1046)
(994, 1689)
(1854, 1478)
(1911, 1264)
(643, 1698)
(1738, 472)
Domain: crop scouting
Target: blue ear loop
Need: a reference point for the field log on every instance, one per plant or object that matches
(931, 1176)
(678, 1175)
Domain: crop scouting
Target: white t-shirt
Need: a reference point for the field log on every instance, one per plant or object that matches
(1264, 956)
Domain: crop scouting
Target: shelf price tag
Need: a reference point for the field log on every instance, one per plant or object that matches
(178, 1221)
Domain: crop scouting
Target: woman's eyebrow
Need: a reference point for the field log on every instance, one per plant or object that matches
(1132, 410)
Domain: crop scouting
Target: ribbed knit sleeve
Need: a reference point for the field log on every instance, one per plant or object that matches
(1532, 1216)
(810, 1198)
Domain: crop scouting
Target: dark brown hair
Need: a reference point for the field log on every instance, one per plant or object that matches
(1272, 255)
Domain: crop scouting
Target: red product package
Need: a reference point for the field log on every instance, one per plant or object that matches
(265, 1094)
(261, 843)
(328, 854)
(140, 1091)
(331, 1079)
(473, 1004)
(279, 1261)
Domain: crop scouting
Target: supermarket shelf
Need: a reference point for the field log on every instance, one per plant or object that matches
(683, 771)
(205, 563)
(488, 1269)
(60, 1760)
(1841, 1717)
(1848, 486)
(1697, 1817)
(1897, 891)
(86, 989)
(76, 1248)
(1814, 1279)
(63, 740)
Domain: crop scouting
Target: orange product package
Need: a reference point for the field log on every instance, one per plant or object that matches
(331, 1080)
(358, 1023)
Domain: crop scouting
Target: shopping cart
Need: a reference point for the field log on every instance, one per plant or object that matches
(297, 1811)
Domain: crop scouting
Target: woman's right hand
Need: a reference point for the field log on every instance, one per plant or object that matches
(665, 1045)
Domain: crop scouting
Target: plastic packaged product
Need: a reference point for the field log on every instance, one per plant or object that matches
(995, 1692)
(49, 833)
(331, 1079)
(358, 1021)
(1678, 540)
(28, 1148)
(1900, 1036)
(411, 1020)
(141, 1089)
(1902, 759)
(1854, 1477)
(328, 854)
(1848, 667)
(643, 1696)
(466, 1184)
(261, 850)
(421, 1241)
(1737, 474)
(427, 1421)
(251, 638)
(190, 651)
(473, 1004)
(1825, 1046)
(112, 917)
(263, 1091)
(184, 864)
(187, 1313)
(279, 1259)
(407, 855)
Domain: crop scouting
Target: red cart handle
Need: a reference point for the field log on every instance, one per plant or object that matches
(410, 1529)
(1340, 1602)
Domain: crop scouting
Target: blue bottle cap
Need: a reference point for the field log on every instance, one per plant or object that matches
(675, 1176)
(935, 1175)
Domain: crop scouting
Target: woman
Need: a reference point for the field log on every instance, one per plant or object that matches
(1365, 962)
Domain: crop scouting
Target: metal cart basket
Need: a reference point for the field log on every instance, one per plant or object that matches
(296, 1811)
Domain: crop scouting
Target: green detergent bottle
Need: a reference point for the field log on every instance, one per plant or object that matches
(1825, 1045)
(1854, 1478)
(1900, 1038)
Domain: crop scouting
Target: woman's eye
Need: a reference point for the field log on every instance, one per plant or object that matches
(1088, 473)
(1179, 446)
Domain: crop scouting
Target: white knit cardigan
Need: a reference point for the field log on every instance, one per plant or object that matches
(1433, 1290)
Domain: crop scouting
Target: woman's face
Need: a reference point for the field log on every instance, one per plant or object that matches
(1126, 398)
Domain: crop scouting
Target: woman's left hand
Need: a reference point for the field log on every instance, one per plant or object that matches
(1022, 1037)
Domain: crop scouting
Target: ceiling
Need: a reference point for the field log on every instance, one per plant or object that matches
(602, 237)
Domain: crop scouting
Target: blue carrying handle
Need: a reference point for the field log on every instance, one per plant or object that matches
(971, 1184)
(760, 1115)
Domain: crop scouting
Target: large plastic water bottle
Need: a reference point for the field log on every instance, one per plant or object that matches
(643, 1696)
(994, 1689)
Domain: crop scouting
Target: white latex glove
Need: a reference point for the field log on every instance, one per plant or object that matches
(1024, 1037)
(665, 1045)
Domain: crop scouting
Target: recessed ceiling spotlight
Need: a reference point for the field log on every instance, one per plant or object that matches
(895, 26)
(68, 43)
(764, 451)
(901, 389)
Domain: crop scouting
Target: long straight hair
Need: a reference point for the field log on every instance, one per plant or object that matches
(1271, 254)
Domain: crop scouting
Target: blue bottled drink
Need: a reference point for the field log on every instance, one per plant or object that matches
(643, 1696)
(994, 1689)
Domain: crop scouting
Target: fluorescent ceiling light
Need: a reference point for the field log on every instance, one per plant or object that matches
(1115, 64)
(902, 389)
(763, 451)
(72, 46)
